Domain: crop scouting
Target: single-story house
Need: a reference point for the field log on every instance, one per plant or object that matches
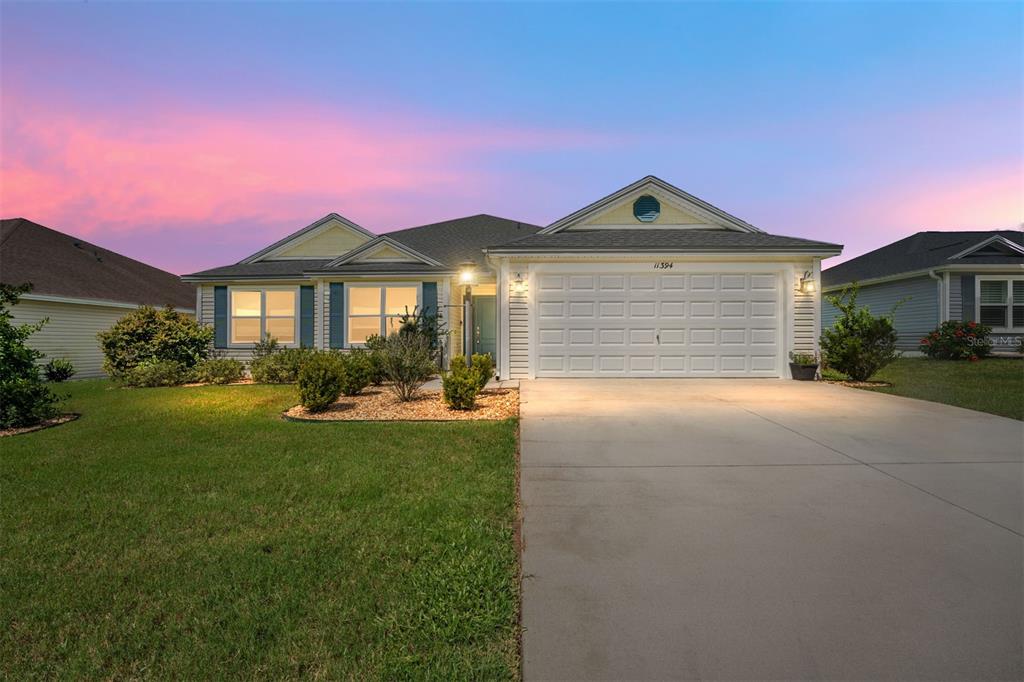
(81, 288)
(939, 276)
(648, 281)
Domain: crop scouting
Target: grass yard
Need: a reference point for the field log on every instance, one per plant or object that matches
(191, 533)
(993, 385)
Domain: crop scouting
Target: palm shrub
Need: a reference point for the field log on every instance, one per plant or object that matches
(218, 371)
(956, 340)
(356, 372)
(320, 381)
(483, 365)
(58, 369)
(409, 361)
(460, 384)
(858, 344)
(150, 335)
(25, 400)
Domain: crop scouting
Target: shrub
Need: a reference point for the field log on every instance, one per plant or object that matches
(428, 326)
(320, 381)
(152, 373)
(483, 365)
(375, 355)
(218, 371)
(151, 335)
(281, 367)
(460, 384)
(955, 340)
(356, 371)
(59, 369)
(267, 345)
(803, 359)
(24, 399)
(858, 344)
(408, 363)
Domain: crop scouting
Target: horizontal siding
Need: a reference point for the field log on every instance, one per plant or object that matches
(917, 316)
(956, 298)
(805, 333)
(519, 336)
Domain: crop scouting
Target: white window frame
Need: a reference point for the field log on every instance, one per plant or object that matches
(263, 314)
(383, 286)
(1010, 303)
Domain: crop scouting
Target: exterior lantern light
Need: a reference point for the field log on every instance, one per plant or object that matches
(466, 272)
(518, 284)
(807, 283)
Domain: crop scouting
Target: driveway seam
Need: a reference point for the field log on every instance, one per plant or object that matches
(873, 467)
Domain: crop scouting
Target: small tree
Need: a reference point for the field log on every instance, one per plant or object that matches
(858, 344)
(25, 399)
(151, 335)
(408, 363)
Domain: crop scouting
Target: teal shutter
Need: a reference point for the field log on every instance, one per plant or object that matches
(337, 315)
(967, 294)
(430, 298)
(220, 317)
(307, 298)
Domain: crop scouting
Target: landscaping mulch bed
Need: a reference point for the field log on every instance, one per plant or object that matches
(45, 424)
(380, 404)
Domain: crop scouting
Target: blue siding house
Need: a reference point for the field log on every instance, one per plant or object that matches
(939, 276)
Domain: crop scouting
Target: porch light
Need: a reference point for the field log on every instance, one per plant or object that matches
(518, 284)
(807, 283)
(466, 272)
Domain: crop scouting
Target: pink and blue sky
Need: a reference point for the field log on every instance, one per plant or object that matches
(190, 135)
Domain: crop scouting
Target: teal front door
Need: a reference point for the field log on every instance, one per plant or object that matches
(485, 326)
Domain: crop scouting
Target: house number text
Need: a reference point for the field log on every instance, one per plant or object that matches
(663, 266)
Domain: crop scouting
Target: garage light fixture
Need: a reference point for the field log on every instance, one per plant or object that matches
(518, 284)
(807, 283)
(466, 272)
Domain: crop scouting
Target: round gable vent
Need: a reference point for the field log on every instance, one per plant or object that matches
(646, 209)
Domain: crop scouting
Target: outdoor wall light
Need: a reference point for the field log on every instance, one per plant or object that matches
(518, 284)
(466, 272)
(807, 283)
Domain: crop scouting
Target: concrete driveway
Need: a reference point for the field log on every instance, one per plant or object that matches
(735, 529)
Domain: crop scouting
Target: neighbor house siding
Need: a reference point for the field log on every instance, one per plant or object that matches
(915, 317)
(956, 298)
(71, 331)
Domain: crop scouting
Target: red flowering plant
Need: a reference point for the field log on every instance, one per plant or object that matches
(956, 340)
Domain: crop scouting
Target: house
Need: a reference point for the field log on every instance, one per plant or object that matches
(647, 281)
(81, 288)
(939, 276)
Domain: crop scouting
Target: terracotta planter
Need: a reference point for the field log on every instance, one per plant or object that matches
(803, 372)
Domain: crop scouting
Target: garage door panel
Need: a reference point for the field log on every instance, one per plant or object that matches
(642, 324)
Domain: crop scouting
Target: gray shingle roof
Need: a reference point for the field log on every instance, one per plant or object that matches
(59, 264)
(637, 239)
(267, 269)
(919, 251)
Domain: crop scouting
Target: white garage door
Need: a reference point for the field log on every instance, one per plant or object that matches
(664, 323)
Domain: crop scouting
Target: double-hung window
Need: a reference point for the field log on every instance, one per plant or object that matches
(374, 309)
(258, 312)
(1001, 302)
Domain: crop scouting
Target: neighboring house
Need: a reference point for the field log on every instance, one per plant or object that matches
(82, 288)
(648, 281)
(939, 276)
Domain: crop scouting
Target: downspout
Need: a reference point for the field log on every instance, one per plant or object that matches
(938, 287)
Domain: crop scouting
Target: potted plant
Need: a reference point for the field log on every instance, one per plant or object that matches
(803, 366)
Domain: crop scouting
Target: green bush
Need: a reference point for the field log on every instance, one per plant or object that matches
(483, 365)
(356, 372)
(858, 344)
(24, 399)
(59, 369)
(955, 340)
(267, 345)
(218, 371)
(320, 381)
(803, 359)
(375, 354)
(151, 335)
(280, 367)
(460, 384)
(151, 373)
(409, 361)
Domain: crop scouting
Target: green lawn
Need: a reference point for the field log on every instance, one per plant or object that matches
(190, 533)
(991, 385)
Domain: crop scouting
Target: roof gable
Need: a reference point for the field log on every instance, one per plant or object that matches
(383, 249)
(330, 237)
(678, 210)
(996, 245)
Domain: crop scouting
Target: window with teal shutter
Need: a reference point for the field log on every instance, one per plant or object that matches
(336, 316)
(430, 298)
(307, 299)
(220, 317)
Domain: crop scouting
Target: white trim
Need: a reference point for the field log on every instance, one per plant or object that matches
(1009, 305)
(308, 232)
(996, 238)
(664, 254)
(689, 202)
(378, 242)
(910, 274)
(816, 270)
(664, 228)
(99, 302)
(383, 286)
(263, 314)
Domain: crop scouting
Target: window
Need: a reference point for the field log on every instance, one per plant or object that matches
(255, 312)
(1001, 302)
(646, 209)
(377, 309)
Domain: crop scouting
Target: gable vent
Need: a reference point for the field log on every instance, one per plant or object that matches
(646, 209)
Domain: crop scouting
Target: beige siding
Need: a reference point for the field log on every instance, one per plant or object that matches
(622, 214)
(330, 243)
(519, 332)
(805, 328)
(455, 320)
(71, 331)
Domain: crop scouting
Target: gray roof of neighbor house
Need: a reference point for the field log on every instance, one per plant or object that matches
(58, 264)
(637, 239)
(921, 251)
(450, 242)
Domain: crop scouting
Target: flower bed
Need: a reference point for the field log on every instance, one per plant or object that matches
(380, 404)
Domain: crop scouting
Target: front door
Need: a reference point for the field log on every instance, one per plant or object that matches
(485, 332)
